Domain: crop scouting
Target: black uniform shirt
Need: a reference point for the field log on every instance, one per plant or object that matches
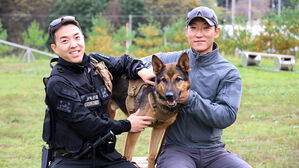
(69, 83)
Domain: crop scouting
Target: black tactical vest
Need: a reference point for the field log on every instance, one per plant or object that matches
(93, 95)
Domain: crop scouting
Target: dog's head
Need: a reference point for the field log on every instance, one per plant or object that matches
(171, 79)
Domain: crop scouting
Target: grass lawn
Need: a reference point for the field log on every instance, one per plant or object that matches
(266, 133)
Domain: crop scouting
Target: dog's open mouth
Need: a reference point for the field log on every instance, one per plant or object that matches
(171, 103)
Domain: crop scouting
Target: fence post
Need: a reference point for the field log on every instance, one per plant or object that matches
(28, 55)
(28, 51)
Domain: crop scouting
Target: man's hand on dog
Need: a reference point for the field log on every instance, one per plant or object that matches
(146, 74)
(138, 122)
(184, 96)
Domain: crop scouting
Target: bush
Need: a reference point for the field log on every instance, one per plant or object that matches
(241, 39)
(175, 35)
(34, 37)
(3, 47)
(226, 43)
(99, 38)
(121, 38)
(149, 41)
(281, 33)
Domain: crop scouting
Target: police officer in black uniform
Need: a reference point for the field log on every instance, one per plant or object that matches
(77, 100)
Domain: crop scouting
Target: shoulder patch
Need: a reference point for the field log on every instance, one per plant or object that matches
(64, 105)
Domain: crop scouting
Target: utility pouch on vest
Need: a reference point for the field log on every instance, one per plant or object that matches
(110, 145)
(47, 120)
(47, 153)
(108, 150)
(47, 126)
(134, 87)
(102, 70)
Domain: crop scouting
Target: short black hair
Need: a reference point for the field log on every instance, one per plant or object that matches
(62, 21)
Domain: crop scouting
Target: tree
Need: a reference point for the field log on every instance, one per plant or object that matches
(3, 36)
(175, 35)
(167, 12)
(120, 38)
(16, 16)
(223, 3)
(99, 38)
(3, 32)
(284, 3)
(113, 13)
(83, 10)
(150, 40)
(281, 32)
(34, 37)
(129, 7)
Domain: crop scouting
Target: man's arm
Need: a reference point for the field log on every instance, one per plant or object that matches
(222, 112)
(66, 103)
(133, 68)
(120, 65)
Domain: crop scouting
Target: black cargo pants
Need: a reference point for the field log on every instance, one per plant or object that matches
(62, 162)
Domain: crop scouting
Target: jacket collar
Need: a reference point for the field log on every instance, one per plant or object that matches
(205, 59)
(76, 67)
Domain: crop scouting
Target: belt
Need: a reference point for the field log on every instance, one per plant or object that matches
(64, 153)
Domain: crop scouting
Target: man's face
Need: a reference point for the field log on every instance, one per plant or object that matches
(70, 43)
(201, 35)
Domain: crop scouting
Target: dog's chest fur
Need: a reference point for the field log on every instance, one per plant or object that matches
(150, 104)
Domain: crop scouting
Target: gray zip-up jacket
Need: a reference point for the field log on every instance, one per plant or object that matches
(213, 103)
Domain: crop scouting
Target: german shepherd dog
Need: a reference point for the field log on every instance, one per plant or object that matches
(159, 101)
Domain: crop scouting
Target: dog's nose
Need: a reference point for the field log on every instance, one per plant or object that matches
(169, 96)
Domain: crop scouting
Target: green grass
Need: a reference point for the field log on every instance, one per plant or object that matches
(266, 133)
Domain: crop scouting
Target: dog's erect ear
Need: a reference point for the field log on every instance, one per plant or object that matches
(157, 64)
(183, 63)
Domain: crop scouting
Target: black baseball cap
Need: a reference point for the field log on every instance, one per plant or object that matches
(203, 12)
(59, 22)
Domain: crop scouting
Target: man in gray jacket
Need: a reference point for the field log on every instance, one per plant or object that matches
(194, 140)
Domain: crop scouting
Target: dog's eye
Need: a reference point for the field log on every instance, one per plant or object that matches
(178, 79)
(164, 80)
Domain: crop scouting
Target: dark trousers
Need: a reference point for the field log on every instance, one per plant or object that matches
(173, 156)
(62, 162)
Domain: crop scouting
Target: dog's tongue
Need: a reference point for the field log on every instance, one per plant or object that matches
(171, 102)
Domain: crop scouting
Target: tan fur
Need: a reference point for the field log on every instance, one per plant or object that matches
(171, 75)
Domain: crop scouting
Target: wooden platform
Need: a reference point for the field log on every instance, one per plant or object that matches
(141, 161)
